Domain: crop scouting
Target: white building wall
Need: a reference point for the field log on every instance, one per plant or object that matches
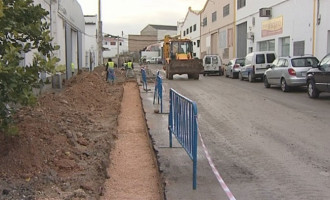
(111, 50)
(90, 51)
(322, 44)
(192, 18)
(297, 23)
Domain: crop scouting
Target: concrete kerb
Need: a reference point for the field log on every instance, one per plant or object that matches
(161, 182)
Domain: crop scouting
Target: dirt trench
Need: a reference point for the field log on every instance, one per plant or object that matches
(133, 170)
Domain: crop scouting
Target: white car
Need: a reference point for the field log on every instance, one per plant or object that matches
(234, 67)
(154, 60)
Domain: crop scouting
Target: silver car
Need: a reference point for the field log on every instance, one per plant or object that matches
(289, 71)
(233, 67)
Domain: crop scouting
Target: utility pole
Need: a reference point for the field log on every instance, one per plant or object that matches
(100, 37)
(118, 50)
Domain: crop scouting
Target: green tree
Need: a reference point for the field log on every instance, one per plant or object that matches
(23, 28)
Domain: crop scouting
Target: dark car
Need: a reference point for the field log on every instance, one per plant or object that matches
(318, 78)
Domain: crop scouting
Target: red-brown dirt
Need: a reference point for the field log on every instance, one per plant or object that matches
(63, 147)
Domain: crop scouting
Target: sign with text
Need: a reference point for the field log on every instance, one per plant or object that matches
(272, 27)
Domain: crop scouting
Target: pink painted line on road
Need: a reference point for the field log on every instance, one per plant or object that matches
(215, 171)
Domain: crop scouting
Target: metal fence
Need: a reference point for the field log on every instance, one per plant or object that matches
(182, 123)
(159, 91)
(144, 79)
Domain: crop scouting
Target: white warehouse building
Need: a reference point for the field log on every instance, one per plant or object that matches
(190, 28)
(289, 28)
(67, 26)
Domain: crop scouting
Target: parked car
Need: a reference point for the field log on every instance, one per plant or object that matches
(212, 65)
(255, 65)
(318, 78)
(233, 68)
(154, 60)
(289, 71)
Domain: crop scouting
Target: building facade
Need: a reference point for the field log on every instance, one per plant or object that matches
(234, 28)
(190, 28)
(159, 30)
(67, 26)
(322, 28)
(91, 47)
(217, 29)
(113, 46)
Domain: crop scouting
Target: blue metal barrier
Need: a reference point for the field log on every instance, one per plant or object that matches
(182, 122)
(144, 79)
(159, 91)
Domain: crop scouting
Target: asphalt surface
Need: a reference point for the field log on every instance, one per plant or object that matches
(266, 144)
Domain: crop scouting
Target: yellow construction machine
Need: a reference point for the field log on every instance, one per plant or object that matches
(177, 54)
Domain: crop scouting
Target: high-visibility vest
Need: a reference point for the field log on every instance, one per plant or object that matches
(72, 66)
(111, 65)
(129, 65)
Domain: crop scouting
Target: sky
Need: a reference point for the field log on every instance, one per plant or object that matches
(131, 16)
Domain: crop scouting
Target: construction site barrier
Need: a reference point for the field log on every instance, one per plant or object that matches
(159, 91)
(182, 123)
(144, 79)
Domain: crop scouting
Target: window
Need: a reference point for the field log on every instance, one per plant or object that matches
(187, 31)
(270, 57)
(285, 48)
(268, 45)
(325, 64)
(281, 63)
(184, 33)
(304, 62)
(299, 48)
(226, 10)
(214, 16)
(205, 21)
(208, 60)
(260, 59)
(214, 60)
(241, 4)
(195, 27)
(198, 42)
(190, 29)
(120, 43)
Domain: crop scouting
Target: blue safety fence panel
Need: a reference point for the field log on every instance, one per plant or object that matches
(182, 123)
(158, 94)
(144, 79)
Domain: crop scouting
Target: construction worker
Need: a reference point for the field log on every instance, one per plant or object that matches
(110, 66)
(129, 71)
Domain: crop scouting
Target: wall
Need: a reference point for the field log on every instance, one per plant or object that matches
(297, 25)
(149, 30)
(91, 51)
(137, 42)
(322, 44)
(192, 19)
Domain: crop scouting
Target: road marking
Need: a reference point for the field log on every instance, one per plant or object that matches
(215, 171)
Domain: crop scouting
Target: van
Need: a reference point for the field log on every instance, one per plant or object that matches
(212, 65)
(255, 65)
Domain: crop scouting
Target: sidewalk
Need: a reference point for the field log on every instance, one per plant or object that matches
(174, 163)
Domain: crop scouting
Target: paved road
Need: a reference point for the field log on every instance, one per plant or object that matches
(266, 144)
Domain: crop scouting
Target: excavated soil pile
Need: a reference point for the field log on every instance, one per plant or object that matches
(63, 147)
